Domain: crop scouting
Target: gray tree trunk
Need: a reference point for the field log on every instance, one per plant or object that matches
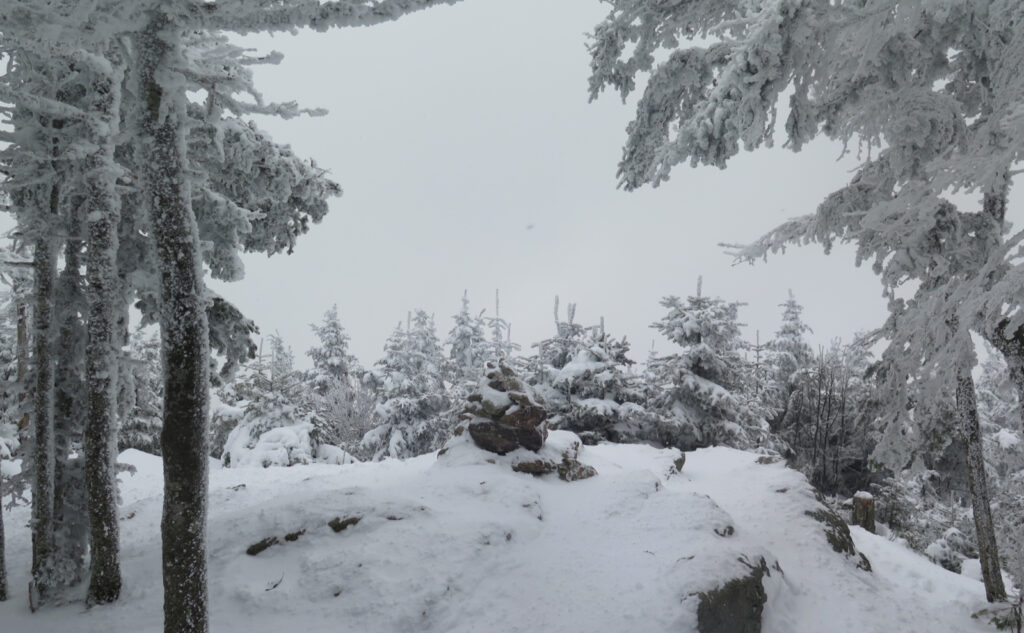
(103, 351)
(45, 269)
(184, 331)
(69, 499)
(3, 558)
(988, 550)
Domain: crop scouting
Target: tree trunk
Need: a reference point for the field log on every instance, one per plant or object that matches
(44, 265)
(988, 551)
(3, 558)
(103, 350)
(69, 498)
(184, 331)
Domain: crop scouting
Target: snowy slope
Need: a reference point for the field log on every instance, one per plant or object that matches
(458, 544)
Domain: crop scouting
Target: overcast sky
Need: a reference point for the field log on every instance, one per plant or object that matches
(471, 159)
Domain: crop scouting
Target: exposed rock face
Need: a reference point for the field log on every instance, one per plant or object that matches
(504, 414)
(838, 535)
(736, 606)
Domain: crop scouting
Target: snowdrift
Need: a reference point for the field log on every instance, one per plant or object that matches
(461, 543)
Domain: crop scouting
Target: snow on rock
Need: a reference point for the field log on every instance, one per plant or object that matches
(464, 544)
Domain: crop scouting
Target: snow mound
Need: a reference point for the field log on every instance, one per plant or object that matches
(465, 544)
(281, 446)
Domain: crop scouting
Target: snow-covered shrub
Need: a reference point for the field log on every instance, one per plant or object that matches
(951, 549)
(280, 446)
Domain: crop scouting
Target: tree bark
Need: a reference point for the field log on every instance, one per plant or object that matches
(44, 265)
(184, 331)
(3, 557)
(103, 348)
(970, 427)
(69, 498)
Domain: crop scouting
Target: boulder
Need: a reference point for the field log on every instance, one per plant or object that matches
(736, 606)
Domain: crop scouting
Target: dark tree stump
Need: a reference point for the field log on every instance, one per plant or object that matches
(864, 511)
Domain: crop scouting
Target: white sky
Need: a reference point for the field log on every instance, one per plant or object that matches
(455, 130)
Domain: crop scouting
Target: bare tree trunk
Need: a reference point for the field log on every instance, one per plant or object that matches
(69, 498)
(988, 551)
(3, 557)
(184, 330)
(103, 350)
(44, 265)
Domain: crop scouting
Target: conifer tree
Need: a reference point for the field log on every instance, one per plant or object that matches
(934, 93)
(467, 345)
(790, 351)
(700, 385)
(501, 345)
(412, 395)
(140, 426)
(584, 377)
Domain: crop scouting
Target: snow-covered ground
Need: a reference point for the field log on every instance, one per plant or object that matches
(459, 544)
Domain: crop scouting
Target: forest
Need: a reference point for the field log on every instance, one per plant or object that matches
(137, 178)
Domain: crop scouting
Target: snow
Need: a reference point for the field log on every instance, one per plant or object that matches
(461, 543)
(1007, 439)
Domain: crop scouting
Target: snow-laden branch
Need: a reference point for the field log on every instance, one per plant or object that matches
(245, 16)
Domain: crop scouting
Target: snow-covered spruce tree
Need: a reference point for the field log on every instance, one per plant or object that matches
(501, 345)
(336, 389)
(140, 427)
(412, 397)
(698, 387)
(935, 88)
(789, 349)
(332, 362)
(584, 377)
(468, 349)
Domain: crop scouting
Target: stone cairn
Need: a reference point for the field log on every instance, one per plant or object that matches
(504, 414)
